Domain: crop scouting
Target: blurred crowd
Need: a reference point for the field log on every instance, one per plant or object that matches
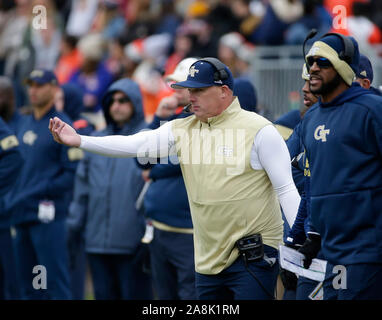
(93, 42)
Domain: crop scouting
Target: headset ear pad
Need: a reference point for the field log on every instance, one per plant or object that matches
(348, 52)
(221, 73)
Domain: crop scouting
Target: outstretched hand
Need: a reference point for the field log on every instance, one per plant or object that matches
(64, 133)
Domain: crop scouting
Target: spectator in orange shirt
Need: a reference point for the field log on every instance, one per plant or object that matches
(70, 59)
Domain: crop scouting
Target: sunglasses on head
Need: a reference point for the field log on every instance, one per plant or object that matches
(120, 100)
(321, 62)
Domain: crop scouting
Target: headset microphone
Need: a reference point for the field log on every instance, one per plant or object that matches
(187, 108)
(310, 35)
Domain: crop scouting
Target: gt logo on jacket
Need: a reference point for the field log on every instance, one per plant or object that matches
(29, 137)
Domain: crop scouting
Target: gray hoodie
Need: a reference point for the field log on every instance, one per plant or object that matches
(106, 189)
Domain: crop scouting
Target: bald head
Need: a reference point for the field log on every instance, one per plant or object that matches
(7, 98)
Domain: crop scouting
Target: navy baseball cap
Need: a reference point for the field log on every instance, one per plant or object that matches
(203, 74)
(365, 70)
(41, 76)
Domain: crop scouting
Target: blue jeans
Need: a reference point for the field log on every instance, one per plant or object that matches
(172, 265)
(121, 276)
(43, 244)
(235, 282)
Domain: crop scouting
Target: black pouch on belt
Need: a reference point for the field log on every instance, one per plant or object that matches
(251, 247)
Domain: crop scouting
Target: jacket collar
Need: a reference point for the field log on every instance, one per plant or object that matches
(233, 108)
(354, 90)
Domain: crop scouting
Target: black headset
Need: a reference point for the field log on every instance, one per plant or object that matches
(348, 52)
(220, 73)
(345, 55)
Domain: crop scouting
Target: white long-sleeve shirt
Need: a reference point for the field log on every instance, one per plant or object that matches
(269, 152)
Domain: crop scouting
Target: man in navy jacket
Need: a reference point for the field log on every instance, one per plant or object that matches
(40, 198)
(342, 136)
(11, 161)
(11, 164)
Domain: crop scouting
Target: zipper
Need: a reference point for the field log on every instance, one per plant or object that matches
(111, 164)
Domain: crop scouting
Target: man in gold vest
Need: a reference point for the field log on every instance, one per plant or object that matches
(237, 173)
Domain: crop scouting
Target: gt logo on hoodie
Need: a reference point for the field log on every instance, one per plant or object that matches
(320, 133)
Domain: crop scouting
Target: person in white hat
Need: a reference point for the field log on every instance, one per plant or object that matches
(180, 98)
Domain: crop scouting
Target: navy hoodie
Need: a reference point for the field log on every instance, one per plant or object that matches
(343, 142)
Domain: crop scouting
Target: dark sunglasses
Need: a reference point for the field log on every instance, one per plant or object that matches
(120, 100)
(321, 62)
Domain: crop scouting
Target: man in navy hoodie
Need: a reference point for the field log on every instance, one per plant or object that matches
(342, 136)
(40, 198)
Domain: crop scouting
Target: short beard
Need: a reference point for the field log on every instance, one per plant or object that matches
(329, 87)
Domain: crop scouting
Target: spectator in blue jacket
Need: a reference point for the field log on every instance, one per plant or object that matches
(166, 205)
(103, 205)
(40, 198)
(315, 16)
(11, 161)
